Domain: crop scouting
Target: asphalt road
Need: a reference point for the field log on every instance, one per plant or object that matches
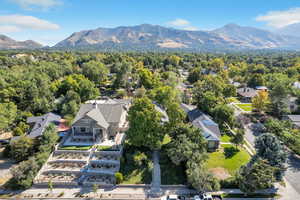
(292, 174)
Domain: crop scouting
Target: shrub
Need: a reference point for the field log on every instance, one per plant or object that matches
(139, 158)
(119, 177)
(229, 183)
(61, 194)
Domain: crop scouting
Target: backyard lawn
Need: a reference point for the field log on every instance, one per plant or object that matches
(245, 106)
(225, 138)
(225, 162)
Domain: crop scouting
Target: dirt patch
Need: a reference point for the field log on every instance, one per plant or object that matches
(220, 173)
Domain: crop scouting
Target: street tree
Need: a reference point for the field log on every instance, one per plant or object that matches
(256, 176)
(145, 127)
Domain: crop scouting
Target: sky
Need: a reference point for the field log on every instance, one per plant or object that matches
(50, 21)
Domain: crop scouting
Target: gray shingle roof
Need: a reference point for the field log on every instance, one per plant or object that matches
(41, 122)
(98, 117)
(247, 92)
(294, 118)
(210, 129)
(110, 111)
(162, 111)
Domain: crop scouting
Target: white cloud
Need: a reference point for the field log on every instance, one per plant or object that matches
(191, 28)
(179, 22)
(279, 19)
(44, 4)
(26, 22)
(9, 29)
(182, 24)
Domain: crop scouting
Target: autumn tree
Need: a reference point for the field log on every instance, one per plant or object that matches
(261, 102)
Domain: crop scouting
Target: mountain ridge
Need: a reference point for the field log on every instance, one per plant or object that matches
(9, 43)
(147, 36)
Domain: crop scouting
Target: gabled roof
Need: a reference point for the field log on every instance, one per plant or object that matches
(294, 118)
(210, 129)
(102, 111)
(98, 117)
(247, 92)
(41, 122)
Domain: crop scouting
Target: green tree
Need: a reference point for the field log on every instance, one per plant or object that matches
(238, 138)
(207, 101)
(24, 173)
(8, 113)
(50, 186)
(255, 177)
(186, 142)
(95, 71)
(268, 148)
(21, 148)
(95, 189)
(200, 179)
(223, 114)
(145, 128)
(81, 85)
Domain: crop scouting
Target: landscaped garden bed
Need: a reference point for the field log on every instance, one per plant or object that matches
(79, 148)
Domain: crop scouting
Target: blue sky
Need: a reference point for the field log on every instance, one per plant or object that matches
(49, 21)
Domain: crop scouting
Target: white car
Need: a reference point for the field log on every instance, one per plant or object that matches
(172, 197)
(203, 197)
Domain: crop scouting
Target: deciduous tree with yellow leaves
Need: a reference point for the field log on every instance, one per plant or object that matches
(261, 102)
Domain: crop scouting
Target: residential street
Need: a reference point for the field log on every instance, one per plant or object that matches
(292, 176)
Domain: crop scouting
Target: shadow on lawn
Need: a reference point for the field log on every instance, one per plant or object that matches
(229, 152)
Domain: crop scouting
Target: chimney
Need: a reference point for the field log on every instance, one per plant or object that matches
(95, 104)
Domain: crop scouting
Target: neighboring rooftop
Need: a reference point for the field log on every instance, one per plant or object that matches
(41, 122)
(202, 121)
(247, 92)
(162, 111)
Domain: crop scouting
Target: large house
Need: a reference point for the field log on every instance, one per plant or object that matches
(98, 121)
(210, 129)
(246, 94)
(99, 126)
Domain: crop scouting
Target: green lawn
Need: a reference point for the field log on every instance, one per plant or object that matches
(75, 148)
(232, 100)
(225, 138)
(245, 106)
(228, 159)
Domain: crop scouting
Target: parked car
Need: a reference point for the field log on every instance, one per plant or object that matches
(173, 197)
(207, 197)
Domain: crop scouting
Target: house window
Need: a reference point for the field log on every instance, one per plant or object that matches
(83, 129)
(211, 144)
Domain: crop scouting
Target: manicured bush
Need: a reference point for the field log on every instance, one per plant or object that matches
(119, 177)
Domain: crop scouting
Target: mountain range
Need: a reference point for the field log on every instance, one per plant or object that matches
(8, 43)
(155, 37)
